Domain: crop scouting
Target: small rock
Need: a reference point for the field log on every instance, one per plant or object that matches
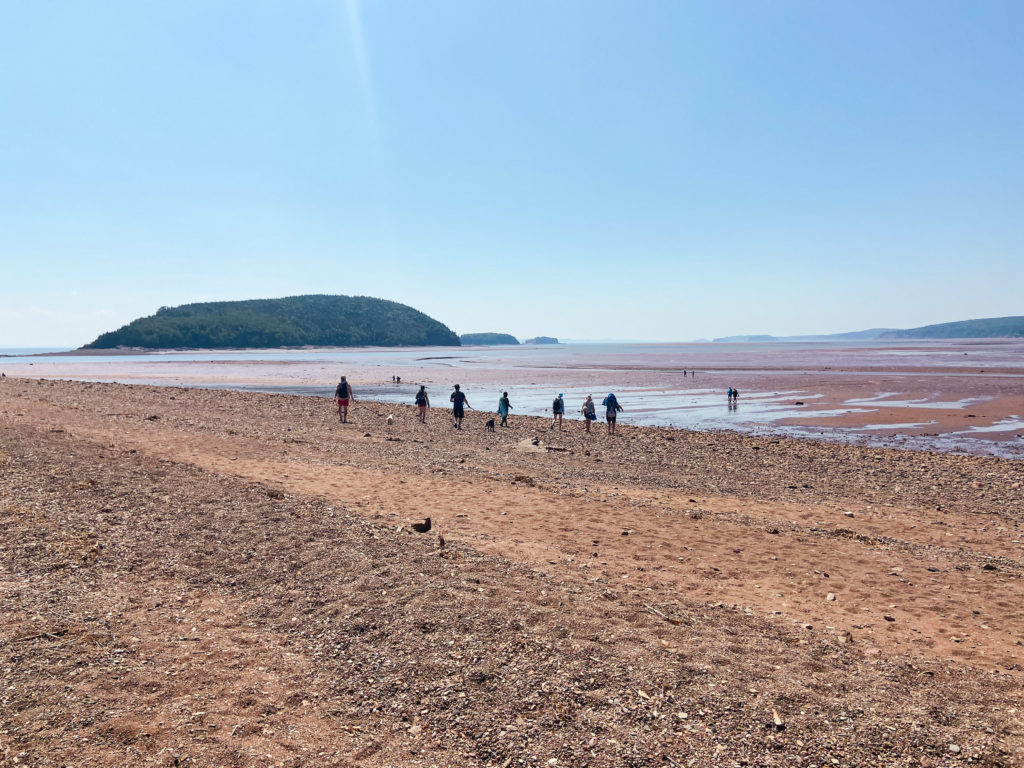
(888, 618)
(954, 748)
(831, 597)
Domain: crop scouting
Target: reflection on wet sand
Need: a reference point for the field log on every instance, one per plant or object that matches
(919, 395)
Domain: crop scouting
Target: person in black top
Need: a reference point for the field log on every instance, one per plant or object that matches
(458, 400)
(422, 402)
(557, 411)
(343, 395)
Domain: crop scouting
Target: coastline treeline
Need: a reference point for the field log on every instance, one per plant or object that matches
(984, 328)
(293, 321)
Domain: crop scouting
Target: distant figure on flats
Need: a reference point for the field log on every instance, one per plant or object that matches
(459, 401)
(589, 412)
(504, 406)
(728, 395)
(343, 394)
(422, 402)
(612, 407)
(557, 411)
(398, 379)
(392, 379)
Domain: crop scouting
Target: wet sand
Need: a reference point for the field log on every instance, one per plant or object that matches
(952, 396)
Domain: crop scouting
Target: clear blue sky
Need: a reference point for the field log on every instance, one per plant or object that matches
(655, 170)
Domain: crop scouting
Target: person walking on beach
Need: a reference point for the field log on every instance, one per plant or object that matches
(422, 402)
(343, 395)
(557, 411)
(459, 401)
(503, 408)
(612, 407)
(589, 412)
(728, 395)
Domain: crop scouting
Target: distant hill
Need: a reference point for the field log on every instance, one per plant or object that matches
(488, 339)
(294, 321)
(992, 327)
(542, 340)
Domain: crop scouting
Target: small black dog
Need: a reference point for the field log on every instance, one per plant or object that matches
(489, 426)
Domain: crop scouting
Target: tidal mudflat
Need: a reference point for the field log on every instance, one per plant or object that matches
(940, 395)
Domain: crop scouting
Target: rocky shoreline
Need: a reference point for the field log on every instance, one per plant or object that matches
(205, 577)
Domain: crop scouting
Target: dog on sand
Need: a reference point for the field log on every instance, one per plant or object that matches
(489, 426)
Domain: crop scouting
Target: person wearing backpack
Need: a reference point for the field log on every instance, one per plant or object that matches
(422, 402)
(557, 411)
(343, 395)
(612, 407)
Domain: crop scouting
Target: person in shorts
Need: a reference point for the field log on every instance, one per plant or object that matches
(459, 403)
(557, 411)
(422, 402)
(343, 396)
(589, 412)
(612, 407)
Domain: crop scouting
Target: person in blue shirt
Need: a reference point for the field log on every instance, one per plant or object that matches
(612, 407)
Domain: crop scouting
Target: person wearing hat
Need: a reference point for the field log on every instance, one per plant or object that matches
(422, 402)
(589, 411)
(557, 411)
(459, 401)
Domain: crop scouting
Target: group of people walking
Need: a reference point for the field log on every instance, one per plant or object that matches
(344, 396)
(588, 409)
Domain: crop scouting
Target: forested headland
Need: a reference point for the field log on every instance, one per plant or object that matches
(293, 321)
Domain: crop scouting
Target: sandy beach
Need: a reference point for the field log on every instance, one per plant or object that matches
(204, 577)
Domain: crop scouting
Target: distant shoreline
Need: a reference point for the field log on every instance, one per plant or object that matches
(837, 343)
(924, 395)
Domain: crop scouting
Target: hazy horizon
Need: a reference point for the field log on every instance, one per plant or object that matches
(590, 169)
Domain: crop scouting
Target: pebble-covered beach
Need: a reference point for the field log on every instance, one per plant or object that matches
(206, 577)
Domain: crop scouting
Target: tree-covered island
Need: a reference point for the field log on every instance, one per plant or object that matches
(293, 321)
